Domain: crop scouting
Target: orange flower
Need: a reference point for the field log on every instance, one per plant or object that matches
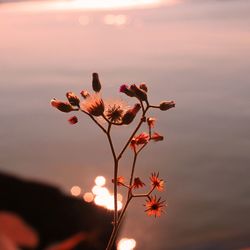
(157, 137)
(138, 183)
(120, 180)
(156, 182)
(73, 120)
(154, 206)
(94, 105)
(151, 122)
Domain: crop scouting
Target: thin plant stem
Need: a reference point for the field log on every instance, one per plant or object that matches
(135, 131)
(95, 121)
(133, 168)
(115, 174)
(115, 230)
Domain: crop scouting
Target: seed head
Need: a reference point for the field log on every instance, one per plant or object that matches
(114, 113)
(94, 105)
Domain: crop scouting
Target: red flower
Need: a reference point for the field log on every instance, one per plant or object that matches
(73, 120)
(154, 206)
(157, 182)
(157, 137)
(138, 183)
(120, 180)
(143, 138)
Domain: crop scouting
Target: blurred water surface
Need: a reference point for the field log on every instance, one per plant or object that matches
(195, 52)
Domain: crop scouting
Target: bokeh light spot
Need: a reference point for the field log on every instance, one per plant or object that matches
(75, 190)
(100, 181)
(88, 197)
(126, 244)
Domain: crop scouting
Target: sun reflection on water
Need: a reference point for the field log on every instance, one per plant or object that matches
(99, 194)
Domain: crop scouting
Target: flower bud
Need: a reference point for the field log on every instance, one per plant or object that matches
(151, 122)
(73, 120)
(62, 106)
(136, 108)
(165, 105)
(96, 85)
(73, 99)
(126, 90)
(84, 94)
(157, 137)
(143, 86)
(138, 183)
(141, 139)
(139, 93)
(130, 114)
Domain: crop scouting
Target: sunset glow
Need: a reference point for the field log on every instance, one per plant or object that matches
(83, 5)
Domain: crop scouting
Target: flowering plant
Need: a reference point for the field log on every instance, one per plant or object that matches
(114, 115)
